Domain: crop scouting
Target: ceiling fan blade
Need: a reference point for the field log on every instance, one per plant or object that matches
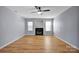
(39, 8)
(36, 7)
(45, 10)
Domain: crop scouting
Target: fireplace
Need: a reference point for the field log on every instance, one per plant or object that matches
(38, 31)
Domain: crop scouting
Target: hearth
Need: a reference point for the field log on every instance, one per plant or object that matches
(38, 31)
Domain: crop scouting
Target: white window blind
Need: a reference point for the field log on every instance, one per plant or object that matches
(48, 25)
(30, 26)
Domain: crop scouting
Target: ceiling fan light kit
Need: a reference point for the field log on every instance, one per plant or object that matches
(39, 13)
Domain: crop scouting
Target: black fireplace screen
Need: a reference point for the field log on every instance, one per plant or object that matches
(39, 31)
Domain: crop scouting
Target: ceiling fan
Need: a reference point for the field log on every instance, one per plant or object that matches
(39, 10)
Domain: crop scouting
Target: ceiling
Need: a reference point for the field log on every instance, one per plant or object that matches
(25, 11)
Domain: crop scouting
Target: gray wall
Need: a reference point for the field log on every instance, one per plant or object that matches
(38, 23)
(11, 26)
(66, 26)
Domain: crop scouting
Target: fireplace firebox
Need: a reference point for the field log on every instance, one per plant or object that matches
(39, 31)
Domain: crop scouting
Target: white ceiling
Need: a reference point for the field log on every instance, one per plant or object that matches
(25, 11)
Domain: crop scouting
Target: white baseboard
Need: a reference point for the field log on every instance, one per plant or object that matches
(67, 42)
(11, 41)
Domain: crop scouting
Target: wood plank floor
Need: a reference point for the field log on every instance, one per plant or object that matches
(38, 44)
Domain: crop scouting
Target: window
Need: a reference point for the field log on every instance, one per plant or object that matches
(30, 26)
(48, 26)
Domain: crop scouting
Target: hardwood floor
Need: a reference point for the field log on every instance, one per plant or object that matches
(38, 44)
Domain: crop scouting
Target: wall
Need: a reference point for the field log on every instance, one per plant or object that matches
(66, 26)
(38, 23)
(11, 26)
